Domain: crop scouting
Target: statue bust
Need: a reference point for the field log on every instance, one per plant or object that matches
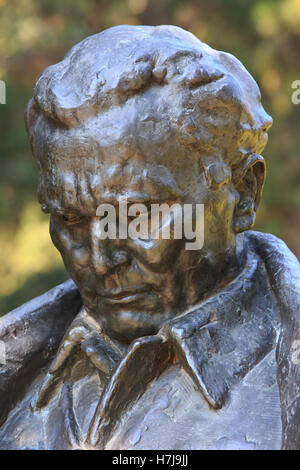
(152, 345)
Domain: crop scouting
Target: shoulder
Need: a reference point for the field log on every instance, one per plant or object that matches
(29, 336)
(281, 264)
(273, 249)
(283, 270)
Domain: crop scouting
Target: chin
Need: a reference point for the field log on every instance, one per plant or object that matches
(128, 325)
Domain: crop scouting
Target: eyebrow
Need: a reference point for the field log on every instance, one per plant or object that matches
(78, 209)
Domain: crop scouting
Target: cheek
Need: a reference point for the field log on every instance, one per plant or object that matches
(75, 256)
(219, 214)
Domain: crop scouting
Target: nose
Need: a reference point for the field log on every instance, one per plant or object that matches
(106, 255)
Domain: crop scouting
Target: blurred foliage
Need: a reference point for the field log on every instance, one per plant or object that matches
(263, 34)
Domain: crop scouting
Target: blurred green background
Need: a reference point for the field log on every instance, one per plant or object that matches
(264, 35)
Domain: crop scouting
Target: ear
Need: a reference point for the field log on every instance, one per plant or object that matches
(249, 180)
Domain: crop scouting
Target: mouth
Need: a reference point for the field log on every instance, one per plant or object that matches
(124, 295)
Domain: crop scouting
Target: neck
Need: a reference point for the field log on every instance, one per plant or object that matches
(214, 272)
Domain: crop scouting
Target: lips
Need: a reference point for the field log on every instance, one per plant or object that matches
(124, 295)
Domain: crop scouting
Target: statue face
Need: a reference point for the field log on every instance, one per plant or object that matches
(134, 286)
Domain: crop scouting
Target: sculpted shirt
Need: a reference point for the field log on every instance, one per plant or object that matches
(221, 376)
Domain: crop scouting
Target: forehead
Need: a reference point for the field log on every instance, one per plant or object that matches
(112, 156)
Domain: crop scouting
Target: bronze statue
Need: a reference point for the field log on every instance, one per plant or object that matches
(164, 347)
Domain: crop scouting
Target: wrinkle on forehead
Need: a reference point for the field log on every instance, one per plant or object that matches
(82, 168)
(83, 189)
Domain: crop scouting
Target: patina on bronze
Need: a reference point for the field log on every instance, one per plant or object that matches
(168, 348)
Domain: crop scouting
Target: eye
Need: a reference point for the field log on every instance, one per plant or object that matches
(72, 219)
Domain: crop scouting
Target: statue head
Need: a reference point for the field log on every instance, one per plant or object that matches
(153, 115)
